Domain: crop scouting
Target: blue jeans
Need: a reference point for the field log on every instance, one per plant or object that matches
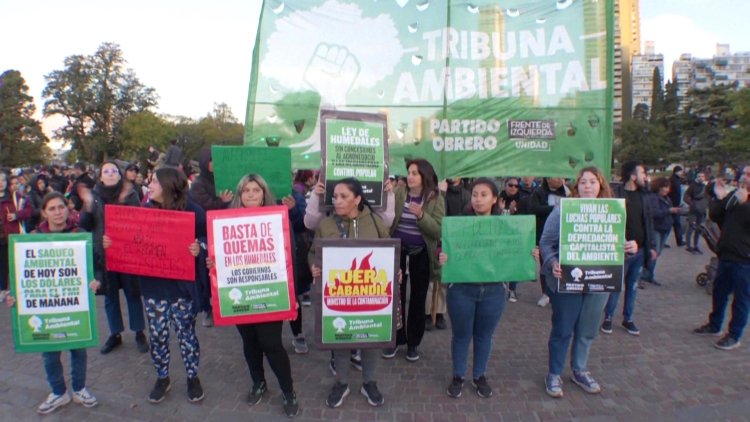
(129, 284)
(732, 277)
(632, 269)
(648, 273)
(475, 311)
(576, 316)
(54, 369)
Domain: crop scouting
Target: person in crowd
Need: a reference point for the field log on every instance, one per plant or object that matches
(638, 228)
(113, 189)
(542, 202)
(203, 192)
(508, 202)
(55, 215)
(575, 316)
(15, 210)
(57, 181)
(661, 212)
(38, 189)
(675, 195)
(732, 212)
(153, 158)
(131, 175)
(419, 212)
(80, 176)
(353, 218)
(263, 339)
(173, 302)
(475, 308)
(304, 181)
(697, 200)
(174, 155)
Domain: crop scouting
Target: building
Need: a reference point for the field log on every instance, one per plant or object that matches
(627, 44)
(723, 68)
(643, 74)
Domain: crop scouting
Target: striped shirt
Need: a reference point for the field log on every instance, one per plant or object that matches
(407, 229)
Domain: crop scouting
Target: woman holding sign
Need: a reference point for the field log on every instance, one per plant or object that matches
(263, 339)
(354, 219)
(173, 302)
(575, 316)
(475, 308)
(55, 215)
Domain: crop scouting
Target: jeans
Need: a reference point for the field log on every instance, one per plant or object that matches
(129, 285)
(54, 369)
(341, 359)
(632, 269)
(694, 229)
(264, 339)
(180, 314)
(412, 322)
(475, 311)
(648, 273)
(732, 277)
(576, 316)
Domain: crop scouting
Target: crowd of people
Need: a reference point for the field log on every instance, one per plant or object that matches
(54, 199)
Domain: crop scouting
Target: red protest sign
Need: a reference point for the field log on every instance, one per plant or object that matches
(253, 277)
(150, 242)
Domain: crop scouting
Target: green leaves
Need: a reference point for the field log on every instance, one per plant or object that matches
(22, 141)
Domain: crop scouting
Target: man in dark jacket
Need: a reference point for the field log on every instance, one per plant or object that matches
(696, 198)
(174, 155)
(732, 213)
(638, 227)
(675, 194)
(457, 197)
(81, 178)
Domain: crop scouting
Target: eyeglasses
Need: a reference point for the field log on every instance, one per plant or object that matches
(510, 185)
(109, 172)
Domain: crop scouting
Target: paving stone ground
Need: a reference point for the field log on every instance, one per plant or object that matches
(666, 373)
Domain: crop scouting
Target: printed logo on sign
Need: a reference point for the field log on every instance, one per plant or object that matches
(358, 288)
(339, 324)
(35, 323)
(532, 134)
(598, 275)
(576, 273)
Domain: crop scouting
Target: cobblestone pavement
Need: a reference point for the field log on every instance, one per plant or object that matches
(664, 374)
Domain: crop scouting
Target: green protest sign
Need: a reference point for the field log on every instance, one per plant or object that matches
(358, 293)
(477, 88)
(592, 244)
(354, 145)
(50, 275)
(274, 164)
(489, 249)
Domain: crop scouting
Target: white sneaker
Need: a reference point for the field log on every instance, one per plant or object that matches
(208, 320)
(543, 301)
(53, 402)
(85, 398)
(300, 345)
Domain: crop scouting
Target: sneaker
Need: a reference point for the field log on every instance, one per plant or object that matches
(84, 397)
(337, 394)
(305, 301)
(428, 323)
(53, 402)
(389, 353)
(483, 389)
(553, 384)
(291, 406)
(543, 301)
(440, 323)
(332, 366)
(607, 326)
(512, 296)
(655, 283)
(160, 390)
(194, 390)
(140, 342)
(256, 393)
(697, 251)
(454, 389)
(356, 360)
(300, 345)
(208, 320)
(631, 328)
(112, 342)
(689, 249)
(586, 382)
(370, 390)
(412, 354)
(727, 343)
(707, 329)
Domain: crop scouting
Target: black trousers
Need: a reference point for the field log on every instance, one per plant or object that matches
(412, 327)
(265, 339)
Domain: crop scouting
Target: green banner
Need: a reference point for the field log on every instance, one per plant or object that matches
(592, 244)
(489, 249)
(50, 275)
(477, 88)
(274, 164)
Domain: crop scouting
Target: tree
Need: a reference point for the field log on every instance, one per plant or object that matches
(657, 97)
(737, 138)
(640, 112)
(22, 141)
(95, 94)
(219, 127)
(642, 141)
(141, 130)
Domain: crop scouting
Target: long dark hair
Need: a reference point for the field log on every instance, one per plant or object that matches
(174, 189)
(493, 187)
(429, 178)
(355, 186)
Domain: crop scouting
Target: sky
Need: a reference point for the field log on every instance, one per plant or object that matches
(196, 53)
